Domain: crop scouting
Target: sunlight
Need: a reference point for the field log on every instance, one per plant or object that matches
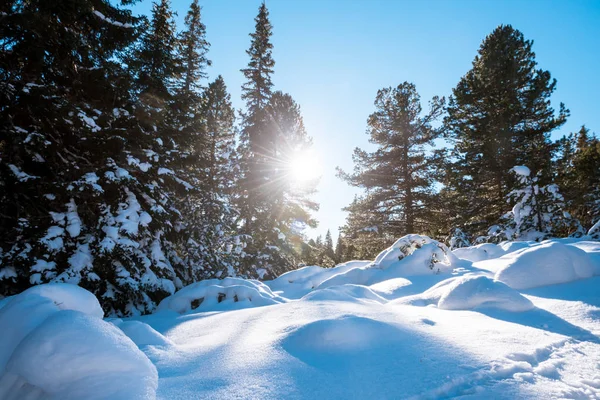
(305, 166)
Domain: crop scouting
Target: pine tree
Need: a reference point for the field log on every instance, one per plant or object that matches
(578, 174)
(340, 250)
(215, 247)
(256, 91)
(458, 239)
(328, 251)
(76, 206)
(499, 116)
(397, 175)
(362, 234)
(272, 131)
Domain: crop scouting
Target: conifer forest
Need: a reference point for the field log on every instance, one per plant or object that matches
(127, 170)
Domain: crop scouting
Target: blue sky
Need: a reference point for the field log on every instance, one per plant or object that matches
(333, 55)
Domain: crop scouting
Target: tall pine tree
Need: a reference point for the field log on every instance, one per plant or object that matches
(499, 116)
(397, 175)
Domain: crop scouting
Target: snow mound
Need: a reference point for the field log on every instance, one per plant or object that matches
(348, 293)
(295, 284)
(72, 355)
(510, 247)
(338, 336)
(484, 251)
(410, 255)
(426, 255)
(24, 312)
(55, 345)
(471, 292)
(547, 264)
(142, 334)
(220, 294)
(388, 288)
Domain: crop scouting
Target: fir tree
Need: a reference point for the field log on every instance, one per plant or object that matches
(76, 206)
(397, 175)
(340, 250)
(578, 174)
(328, 246)
(499, 116)
(256, 91)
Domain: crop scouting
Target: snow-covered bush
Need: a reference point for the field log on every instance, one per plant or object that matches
(594, 232)
(458, 239)
(423, 250)
(220, 294)
(539, 211)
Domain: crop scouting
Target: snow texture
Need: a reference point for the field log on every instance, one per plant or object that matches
(521, 322)
(547, 264)
(220, 294)
(56, 346)
(471, 292)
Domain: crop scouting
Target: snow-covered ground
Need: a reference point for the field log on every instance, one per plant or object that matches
(509, 321)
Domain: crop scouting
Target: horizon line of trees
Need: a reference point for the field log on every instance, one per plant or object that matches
(500, 176)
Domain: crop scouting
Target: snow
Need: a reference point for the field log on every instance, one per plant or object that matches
(215, 294)
(73, 220)
(56, 346)
(517, 320)
(74, 356)
(21, 176)
(480, 252)
(521, 170)
(471, 292)
(110, 21)
(547, 264)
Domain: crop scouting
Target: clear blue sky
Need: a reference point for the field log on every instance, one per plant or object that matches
(333, 55)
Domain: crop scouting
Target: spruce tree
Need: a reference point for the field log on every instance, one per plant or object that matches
(329, 251)
(340, 250)
(255, 148)
(397, 175)
(578, 174)
(498, 116)
(76, 207)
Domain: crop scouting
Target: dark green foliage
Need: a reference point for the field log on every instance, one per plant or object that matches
(578, 175)
(499, 116)
(397, 175)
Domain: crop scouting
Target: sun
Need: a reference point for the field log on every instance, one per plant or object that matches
(304, 166)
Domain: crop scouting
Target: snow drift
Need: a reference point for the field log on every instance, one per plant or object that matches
(471, 292)
(56, 346)
(220, 294)
(546, 264)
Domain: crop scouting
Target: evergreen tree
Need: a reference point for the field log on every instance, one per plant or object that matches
(578, 174)
(308, 252)
(499, 116)
(193, 49)
(539, 211)
(256, 91)
(328, 246)
(458, 239)
(340, 250)
(363, 237)
(215, 246)
(397, 175)
(271, 207)
(75, 202)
